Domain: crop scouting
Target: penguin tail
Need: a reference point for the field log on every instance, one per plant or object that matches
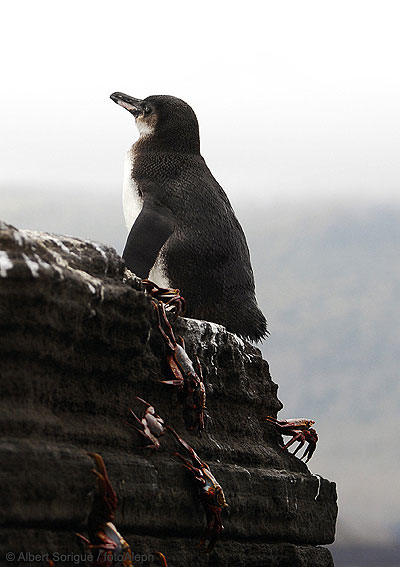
(248, 322)
(256, 329)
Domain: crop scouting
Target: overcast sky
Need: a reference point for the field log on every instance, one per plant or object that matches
(294, 99)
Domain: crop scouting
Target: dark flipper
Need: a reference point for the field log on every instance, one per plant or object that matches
(151, 230)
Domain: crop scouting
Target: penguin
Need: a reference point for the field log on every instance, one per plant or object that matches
(183, 232)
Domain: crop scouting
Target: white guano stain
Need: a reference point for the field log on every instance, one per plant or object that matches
(32, 265)
(319, 485)
(5, 264)
(214, 441)
(58, 243)
(94, 285)
(46, 238)
(19, 237)
(243, 469)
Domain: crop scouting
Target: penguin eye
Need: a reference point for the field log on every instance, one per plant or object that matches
(147, 110)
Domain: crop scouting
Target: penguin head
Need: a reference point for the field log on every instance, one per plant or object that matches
(164, 120)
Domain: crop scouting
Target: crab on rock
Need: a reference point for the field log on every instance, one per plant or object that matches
(189, 382)
(151, 426)
(108, 547)
(300, 429)
(211, 493)
(171, 298)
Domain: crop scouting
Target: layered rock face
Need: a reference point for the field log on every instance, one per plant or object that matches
(78, 343)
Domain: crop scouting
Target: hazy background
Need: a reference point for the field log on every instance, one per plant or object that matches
(298, 104)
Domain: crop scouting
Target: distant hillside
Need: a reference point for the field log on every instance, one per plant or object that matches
(329, 283)
(328, 280)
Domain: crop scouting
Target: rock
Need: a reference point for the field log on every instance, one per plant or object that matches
(79, 342)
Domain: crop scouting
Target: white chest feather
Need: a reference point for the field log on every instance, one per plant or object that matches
(132, 204)
(157, 273)
(131, 201)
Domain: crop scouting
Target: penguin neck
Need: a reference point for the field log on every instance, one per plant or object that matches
(169, 142)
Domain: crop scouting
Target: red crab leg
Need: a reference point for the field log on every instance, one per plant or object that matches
(175, 302)
(162, 559)
(188, 448)
(162, 318)
(150, 286)
(136, 426)
(154, 445)
(83, 538)
(280, 423)
(271, 420)
(301, 443)
(139, 428)
(107, 496)
(214, 528)
(295, 438)
(309, 451)
(187, 464)
(143, 401)
(135, 416)
(171, 297)
(179, 380)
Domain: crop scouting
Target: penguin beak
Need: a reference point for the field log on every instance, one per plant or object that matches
(132, 105)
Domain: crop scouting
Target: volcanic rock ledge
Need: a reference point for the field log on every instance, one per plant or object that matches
(79, 342)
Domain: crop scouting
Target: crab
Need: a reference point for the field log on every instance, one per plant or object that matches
(107, 546)
(151, 426)
(188, 381)
(171, 298)
(300, 430)
(211, 494)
